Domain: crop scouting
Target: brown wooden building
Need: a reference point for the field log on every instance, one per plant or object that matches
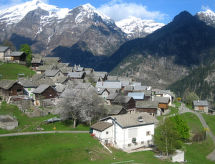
(163, 102)
(10, 88)
(150, 107)
(44, 91)
(125, 101)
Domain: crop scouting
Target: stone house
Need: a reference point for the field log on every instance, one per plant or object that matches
(201, 105)
(125, 101)
(4, 51)
(55, 75)
(150, 107)
(44, 92)
(10, 88)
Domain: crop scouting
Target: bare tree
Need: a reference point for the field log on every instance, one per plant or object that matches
(81, 105)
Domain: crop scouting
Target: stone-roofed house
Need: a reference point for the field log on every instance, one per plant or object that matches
(111, 97)
(115, 110)
(126, 131)
(76, 75)
(109, 84)
(66, 70)
(125, 101)
(29, 86)
(201, 105)
(150, 107)
(99, 76)
(44, 91)
(54, 74)
(163, 102)
(10, 88)
(36, 62)
(41, 69)
(16, 56)
(4, 51)
(164, 93)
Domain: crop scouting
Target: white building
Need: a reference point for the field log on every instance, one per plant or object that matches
(127, 131)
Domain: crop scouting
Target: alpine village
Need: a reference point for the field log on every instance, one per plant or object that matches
(77, 87)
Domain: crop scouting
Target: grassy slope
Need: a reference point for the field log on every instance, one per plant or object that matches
(10, 71)
(193, 122)
(64, 148)
(30, 124)
(210, 120)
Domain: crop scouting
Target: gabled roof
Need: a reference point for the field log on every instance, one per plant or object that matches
(100, 91)
(36, 60)
(76, 74)
(128, 88)
(101, 126)
(7, 84)
(45, 80)
(109, 84)
(83, 86)
(27, 83)
(3, 48)
(41, 88)
(113, 109)
(60, 88)
(147, 104)
(61, 79)
(16, 53)
(122, 99)
(66, 69)
(136, 95)
(98, 75)
(200, 103)
(51, 73)
(159, 99)
(112, 96)
(44, 67)
(131, 120)
(50, 60)
(140, 88)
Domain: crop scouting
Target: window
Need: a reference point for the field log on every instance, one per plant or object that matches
(148, 133)
(107, 132)
(133, 140)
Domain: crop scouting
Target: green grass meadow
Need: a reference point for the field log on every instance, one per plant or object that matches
(11, 71)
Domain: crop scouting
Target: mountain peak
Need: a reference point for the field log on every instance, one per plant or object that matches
(136, 27)
(183, 16)
(207, 16)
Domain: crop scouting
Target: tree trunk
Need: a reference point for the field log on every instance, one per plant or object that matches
(74, 123)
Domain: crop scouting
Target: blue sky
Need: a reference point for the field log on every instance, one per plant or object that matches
(158, 10)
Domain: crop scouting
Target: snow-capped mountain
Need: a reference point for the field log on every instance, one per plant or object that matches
(138, 28)
(207, 16)
(46, 27)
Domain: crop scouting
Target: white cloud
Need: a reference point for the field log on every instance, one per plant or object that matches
(8, 3)
(205, 8)
(117, 10)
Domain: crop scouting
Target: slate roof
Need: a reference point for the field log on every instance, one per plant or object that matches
(44, 67)
(112, 96)
(131, 120)
(7, 84)
(113, 109)
(66, 69)
(16, 53)
(128, 88)
(100, 91)
(122, 99)
(36, 60)
(200, 103)
(146, 104)
(41, 88)
(112, 77)
(60, 88)
(51, 73)
(3, 48)
(45, 80)
(76, 74)
(101, 126)
(61, 79)
(27, 83)
(147, 93)
(136, 95)
(140, 88)
(159, 99)
(109, 84)
(83, 86)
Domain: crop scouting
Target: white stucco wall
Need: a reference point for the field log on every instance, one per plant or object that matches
(29, 92)
(107, 134)
(123, 137)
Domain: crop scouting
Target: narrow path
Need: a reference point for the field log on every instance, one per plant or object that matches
(40, 132)
(184, 109)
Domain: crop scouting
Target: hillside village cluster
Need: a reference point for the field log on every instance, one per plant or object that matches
(132, 107)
